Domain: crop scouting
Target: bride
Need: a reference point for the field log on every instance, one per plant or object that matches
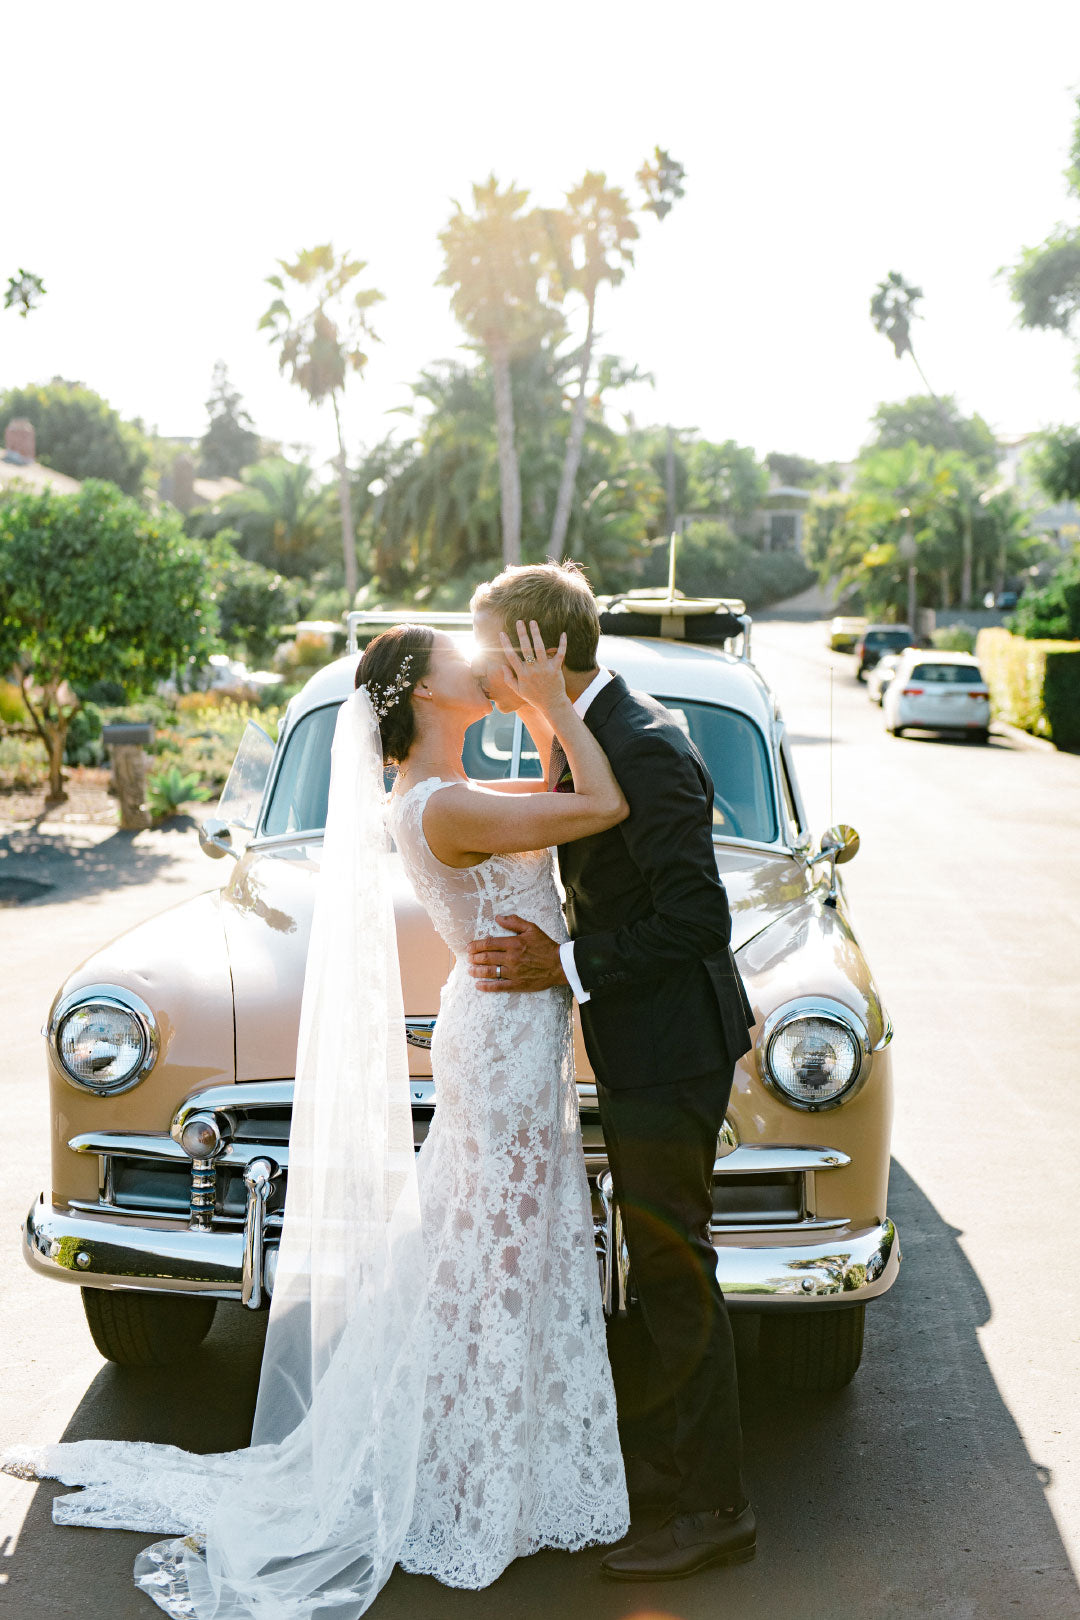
(435, 1389)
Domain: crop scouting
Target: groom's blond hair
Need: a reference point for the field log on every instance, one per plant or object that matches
(557, 596)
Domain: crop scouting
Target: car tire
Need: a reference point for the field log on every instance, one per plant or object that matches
(981, 737)
(896, 731)
(860, 675)
(145, 1330)
(813, 1351)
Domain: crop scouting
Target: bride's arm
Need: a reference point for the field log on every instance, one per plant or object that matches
(539, 729)
(462, 824)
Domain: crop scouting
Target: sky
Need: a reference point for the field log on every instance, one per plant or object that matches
(158, 160)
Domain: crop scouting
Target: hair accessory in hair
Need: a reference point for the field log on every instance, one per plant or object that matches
(385, 698)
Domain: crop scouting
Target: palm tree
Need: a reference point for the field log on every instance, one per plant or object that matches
(600, 224)
(282, 515)
(501, 264)
(321, 344)
(24, 292)
(892, 310)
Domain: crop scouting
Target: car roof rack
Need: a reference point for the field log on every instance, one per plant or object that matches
(386, 616)
(707, 621)
(700, 620)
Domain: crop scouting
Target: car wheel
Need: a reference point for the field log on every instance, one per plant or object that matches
(860, 675)
(812, 1350)
(896, 731)
(145, 1330)
(982, 736)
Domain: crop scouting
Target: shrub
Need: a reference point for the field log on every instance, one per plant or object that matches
(23, 764)
(83, 745)
(1052, 614)
(1033, 684)
(953, 638)
(167, 790)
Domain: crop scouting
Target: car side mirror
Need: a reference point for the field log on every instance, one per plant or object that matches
(838, 844)
(842, 841)
(215, 838)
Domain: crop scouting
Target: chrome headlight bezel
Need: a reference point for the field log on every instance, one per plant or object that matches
(118, 997)
(830, 1011)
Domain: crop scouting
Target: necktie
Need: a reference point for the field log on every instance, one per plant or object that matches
(558, 775)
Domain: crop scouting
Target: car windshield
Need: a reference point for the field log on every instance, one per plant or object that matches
(887, 638)
(732, 746)
(948, 674)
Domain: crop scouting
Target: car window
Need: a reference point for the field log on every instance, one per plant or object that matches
(948, 674)
(734, 751)
(887, 638)
(733, 748)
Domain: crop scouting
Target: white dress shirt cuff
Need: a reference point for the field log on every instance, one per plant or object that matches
(566, 957)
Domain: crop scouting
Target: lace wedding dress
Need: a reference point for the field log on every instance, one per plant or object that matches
(519, 1447)
(436, 1390)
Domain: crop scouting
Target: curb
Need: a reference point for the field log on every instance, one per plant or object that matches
(1022, 739)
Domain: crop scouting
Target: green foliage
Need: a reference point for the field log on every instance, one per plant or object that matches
(167, 790)
(860, 540)
(93, 587)
(892, 310)
(252, 602)
(283, 519)
(799, 472)
(78, 433)
(503, 264)
(1033, 684)
(13, 710)
(322, 341)
(661, 181)
(1056, 463)
(24, 292)
(83, 745)
(1053, 612)
(953, 638)
(711, 560)
(937, 423)
(230, 443)
(1045, 281)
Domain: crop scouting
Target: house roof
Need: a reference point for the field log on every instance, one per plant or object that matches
(15, 469)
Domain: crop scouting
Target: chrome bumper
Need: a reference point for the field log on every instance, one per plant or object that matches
(759, 1271)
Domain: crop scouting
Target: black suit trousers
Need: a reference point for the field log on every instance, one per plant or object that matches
(661, 1144)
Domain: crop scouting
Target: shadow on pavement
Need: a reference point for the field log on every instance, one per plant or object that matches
(75, 869)
(909, 1494)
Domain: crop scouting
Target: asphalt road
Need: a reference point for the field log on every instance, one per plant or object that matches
(946, 1481)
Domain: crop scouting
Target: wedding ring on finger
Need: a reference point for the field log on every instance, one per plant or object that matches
(498, 970)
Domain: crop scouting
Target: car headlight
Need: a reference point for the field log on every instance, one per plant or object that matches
(104, 1037)
(814, 1053)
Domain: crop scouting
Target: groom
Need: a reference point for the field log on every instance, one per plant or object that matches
(665, 1018)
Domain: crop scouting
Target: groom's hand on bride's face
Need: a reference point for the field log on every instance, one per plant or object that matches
(523, 959)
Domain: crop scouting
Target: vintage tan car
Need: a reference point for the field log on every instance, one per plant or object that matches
(171, 1050)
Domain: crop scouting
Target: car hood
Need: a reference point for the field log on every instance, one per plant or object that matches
(267, 912)
(266, 908)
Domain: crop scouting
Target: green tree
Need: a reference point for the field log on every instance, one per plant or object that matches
(93, 588)
(662, 182)
(1052, 613)
(252, 603)
(1056, 463)
(501, 263)
(78, 433)
(24, 292)
(800, 472)
(892, 310)
(938, 423)
(282, 516)
(230, 443)
(1045, 280)
(321, 343)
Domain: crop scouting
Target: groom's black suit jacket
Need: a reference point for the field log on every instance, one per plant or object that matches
(648, 913)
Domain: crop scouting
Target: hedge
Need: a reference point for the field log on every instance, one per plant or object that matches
(1033, 684)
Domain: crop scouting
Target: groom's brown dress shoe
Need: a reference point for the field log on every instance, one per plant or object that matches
(685, 1544)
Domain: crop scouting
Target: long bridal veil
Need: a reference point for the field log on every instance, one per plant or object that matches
(308, 1522)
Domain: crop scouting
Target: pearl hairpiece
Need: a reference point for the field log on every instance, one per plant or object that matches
(384, 698)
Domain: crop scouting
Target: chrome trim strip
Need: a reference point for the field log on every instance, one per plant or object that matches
(146, 1146)
(112, 995)
(886, 1033)
(167, 1257)
(748, 1160)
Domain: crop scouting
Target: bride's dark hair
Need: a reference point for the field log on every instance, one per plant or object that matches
(390, 667)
